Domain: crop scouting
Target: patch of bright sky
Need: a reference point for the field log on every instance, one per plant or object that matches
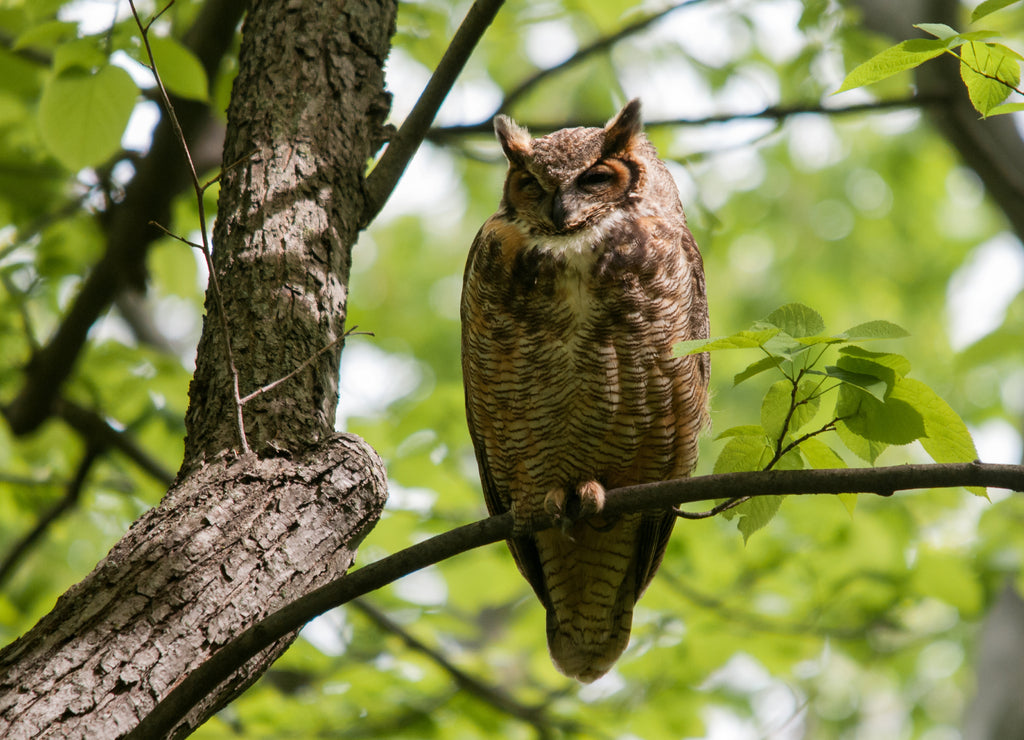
(550, 43)
(982, 289)
(372, 378)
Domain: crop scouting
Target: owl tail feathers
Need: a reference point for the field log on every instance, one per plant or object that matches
(585, 655)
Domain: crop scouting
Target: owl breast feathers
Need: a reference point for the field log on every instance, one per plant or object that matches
(574, 294)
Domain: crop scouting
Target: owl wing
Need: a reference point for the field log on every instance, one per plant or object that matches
(479, 395)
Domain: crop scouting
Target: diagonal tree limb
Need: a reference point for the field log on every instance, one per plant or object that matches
(882, 481)
(148, 196)
(382, 180)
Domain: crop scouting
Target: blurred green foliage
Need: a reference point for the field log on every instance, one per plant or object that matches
(823, 625)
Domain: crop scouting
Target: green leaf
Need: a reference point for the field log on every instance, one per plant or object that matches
(775, 407)
(895, 422)
(886, 366)
(46, 35)
(866, 449)
(82, 53)
(756, 513)
(870, 383)
(1006, 108)
(797, 320)
(990, 72)
(939, 30)
(822, 457)
(741, 340)
(744, 430)
(903, 56)
(99, 106)
(179, 68)
(947, 438)
(989, 6)
(743, 454)
(874, 330)
(755, 368)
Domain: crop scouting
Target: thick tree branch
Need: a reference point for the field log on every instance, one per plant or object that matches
(382, 180)
(882, 481)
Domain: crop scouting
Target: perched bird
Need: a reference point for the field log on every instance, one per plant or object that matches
(574, 294)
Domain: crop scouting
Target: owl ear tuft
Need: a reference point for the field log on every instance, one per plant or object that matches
(621, 130)
(515, 139)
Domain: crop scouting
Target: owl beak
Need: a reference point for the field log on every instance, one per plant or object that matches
(560, 211)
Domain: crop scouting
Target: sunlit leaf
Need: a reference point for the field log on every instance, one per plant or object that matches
(796, 320)
(988, 7)
(755, 368)
(870, 383)
(179, 68)
(775, 407)
(740, 340)
(894, 422)
(99, 105)
(745, 430)
(990, 72)
(822, 457)
(903, 56)
(874, 330)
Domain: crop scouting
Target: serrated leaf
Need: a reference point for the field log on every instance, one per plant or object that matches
(870, 383)
(756, 513)
(797, 320)
(990, 73)
(895, 422)
(947, 438)
(938, 30)
(98, 104)
(988, 7)
(822, 457)
(903, 56)
(744, 430)
(775, 407)
(887, 366)
(755, 368)
(874, 330)
(744, 453)
(1004, 108)
(866, 449)
(179, 68)
(741, 340)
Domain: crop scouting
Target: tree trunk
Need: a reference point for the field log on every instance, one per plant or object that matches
(238, 536)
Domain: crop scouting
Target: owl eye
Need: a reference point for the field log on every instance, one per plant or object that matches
(527, 183)
(596, 178)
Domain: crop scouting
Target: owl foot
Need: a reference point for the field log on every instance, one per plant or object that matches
(567, 510)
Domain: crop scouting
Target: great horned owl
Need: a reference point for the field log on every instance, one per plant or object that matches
(575, 292)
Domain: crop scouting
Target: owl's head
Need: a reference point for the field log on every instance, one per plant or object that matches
(576, 177)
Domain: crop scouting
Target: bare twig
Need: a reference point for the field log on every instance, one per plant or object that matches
(724, 506)
(382, 180)
(650, 496)
(774, 112)
(596, 47)
(205, 247)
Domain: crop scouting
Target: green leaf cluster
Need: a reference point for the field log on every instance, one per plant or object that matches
(865, 400)
(990, 70)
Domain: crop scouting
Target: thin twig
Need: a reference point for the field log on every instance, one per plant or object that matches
(724, 506)
(199, 190)
(649, 496)
(602, 44)
(382, 180)
(305, 363)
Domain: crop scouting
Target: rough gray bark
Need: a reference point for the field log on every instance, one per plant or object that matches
(228, 544)
(237, 537)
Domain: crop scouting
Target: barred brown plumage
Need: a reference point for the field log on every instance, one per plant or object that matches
(574, 294)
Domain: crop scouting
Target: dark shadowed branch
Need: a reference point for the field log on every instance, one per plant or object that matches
(881, 481)
(382, 180)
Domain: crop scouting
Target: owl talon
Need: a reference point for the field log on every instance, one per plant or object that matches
(591, 495)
